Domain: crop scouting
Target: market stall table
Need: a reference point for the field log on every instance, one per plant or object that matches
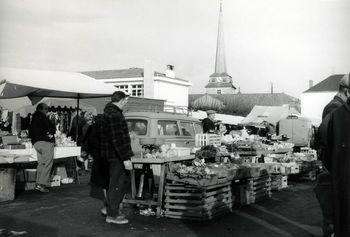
(18, 157)
(163, 166)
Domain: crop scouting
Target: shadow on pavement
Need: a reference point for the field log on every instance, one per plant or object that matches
(24, 228)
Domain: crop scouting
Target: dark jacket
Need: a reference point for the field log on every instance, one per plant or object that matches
(40, 128)
(115, 139)
(334, 104)
(208, 125)
(338, 155)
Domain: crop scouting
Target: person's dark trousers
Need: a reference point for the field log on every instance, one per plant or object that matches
(323, 191)
(119, 182)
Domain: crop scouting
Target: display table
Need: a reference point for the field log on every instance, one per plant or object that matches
(29, 155)
(163, 165)
(21, 159)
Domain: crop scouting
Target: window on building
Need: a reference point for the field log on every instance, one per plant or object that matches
(137, 90)
(218, 91)
(124, 88)
(168, 128)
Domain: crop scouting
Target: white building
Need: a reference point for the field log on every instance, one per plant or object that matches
(317, 97)
(147, 83)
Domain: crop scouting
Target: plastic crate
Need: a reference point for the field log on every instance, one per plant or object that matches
(204, 139)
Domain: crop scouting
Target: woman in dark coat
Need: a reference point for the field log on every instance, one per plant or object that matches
(338, 163)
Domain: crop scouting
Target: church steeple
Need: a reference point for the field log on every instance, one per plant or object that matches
(220, 60)
(220, 81)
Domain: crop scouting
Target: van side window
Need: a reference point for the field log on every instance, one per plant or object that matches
(198, 128)
(137, 126)
(168, 128)
(187, 129)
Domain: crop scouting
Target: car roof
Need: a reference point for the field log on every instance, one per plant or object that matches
(160, 115)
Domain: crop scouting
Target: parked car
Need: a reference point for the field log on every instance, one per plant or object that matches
(167, 127)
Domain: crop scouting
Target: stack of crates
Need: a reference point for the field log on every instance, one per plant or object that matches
(204, 139)
(197, 202)
(252, 190)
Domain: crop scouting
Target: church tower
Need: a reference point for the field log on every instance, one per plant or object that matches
(220, 82)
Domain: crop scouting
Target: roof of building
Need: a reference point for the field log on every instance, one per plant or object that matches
(331, 83)
(241, 104)
(219, 85)
(223, 74)
(120, 73)
(123, 73)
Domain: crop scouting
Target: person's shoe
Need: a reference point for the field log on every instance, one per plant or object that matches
(119, 220)
(41, 188)
(104, 211)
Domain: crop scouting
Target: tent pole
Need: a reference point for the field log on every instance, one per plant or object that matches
(77, 121)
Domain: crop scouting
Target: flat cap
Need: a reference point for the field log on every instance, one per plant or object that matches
(210, 112)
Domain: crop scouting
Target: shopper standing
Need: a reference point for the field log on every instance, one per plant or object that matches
(209, 122)
(324, 185)
(338, 163)
(41, 132)
(116, 149)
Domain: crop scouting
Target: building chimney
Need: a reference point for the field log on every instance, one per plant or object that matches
(311, 83)
(169, 72)
(148, 80)
(271, 87)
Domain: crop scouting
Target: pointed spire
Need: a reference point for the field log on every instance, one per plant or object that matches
(220, 60)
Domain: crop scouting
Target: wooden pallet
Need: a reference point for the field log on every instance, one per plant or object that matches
(185, 201)
(252, 190)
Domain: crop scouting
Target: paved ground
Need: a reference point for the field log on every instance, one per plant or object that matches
(69, 211)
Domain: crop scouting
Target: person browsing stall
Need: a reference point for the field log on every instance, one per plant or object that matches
(116, 150)
(209, 122)
(41, 132)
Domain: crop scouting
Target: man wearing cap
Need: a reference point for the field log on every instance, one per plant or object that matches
(209, 122)
(323, 188)
(337, 161)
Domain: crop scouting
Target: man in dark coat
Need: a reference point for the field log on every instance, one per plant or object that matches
(338, 163)
(116, 149)
(323, 188)
(208, 123)
(41, 132)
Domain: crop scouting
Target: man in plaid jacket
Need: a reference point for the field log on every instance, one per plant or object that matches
(116, 150)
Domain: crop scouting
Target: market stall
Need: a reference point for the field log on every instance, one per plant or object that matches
(36, 84)
(223, 171)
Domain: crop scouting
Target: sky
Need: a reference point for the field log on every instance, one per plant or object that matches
(284, 42)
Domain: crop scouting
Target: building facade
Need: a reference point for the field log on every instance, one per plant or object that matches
(147, 83)
(317, 97)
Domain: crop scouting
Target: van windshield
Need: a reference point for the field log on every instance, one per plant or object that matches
(168, 128)
(137, 126)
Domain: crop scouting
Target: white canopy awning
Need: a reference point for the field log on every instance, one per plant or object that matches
(37, 84)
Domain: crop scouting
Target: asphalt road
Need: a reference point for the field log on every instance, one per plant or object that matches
(70, 211)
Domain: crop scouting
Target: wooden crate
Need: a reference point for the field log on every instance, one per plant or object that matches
(197, 203)
(7, 184)
(204, 139)
(252, 190)
(279, 181)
